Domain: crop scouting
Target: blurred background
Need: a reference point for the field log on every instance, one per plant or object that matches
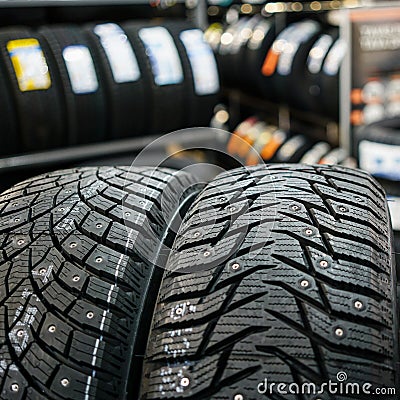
(93, 82)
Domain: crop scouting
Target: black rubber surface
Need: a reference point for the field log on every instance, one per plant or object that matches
(287, 87)
(255, 54)
(40, 112)
(282, 272)
(189, 105)
(86, 113)
(310, 96)
(330, 84)
(225, 57)
(75, 279)
(10, 141)
(387, 132)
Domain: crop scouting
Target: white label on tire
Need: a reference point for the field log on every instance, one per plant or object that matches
(318, 53)
(164, 58)
(202, 62)
(335, 57)
(259, 34)
(302, 33)
(379, 159)
(81, 71)
(119, 52)
(394, 207)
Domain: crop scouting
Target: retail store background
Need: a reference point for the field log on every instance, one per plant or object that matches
(87, 83)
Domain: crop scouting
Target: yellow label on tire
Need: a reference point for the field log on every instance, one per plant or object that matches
(29, 64)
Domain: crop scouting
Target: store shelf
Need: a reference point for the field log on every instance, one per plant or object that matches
(62, 3)
(318, 126)
(53, 158)
(297, 6)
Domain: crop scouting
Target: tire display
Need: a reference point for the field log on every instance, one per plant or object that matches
(254, 140)
(36, 95)
(280, 272)
(298, 65)
(69, 85)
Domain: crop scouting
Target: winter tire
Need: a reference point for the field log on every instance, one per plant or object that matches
(123, 79)
(165, 115)
(78, 255)
(282, 273)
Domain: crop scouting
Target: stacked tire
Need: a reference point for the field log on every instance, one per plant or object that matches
(254, 141)
(298, 65)
(141, 283)
(32, 92)
(68, 85)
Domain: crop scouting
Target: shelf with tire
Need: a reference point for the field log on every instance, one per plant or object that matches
(288, 59)
(102, 82)
(281, 69)
(293, 66)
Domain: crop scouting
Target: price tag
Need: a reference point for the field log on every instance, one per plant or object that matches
(119, 52)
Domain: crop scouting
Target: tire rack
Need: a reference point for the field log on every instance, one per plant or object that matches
(285, 117)
(281, 115)
(18, 167)
(319, 127)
